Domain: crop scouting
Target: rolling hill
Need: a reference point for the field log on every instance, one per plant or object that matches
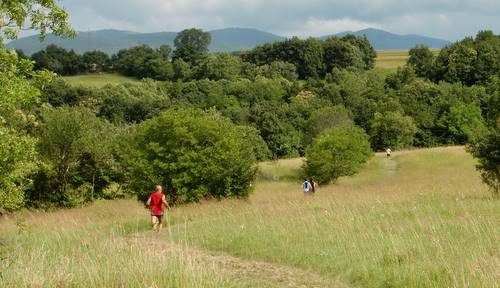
(383, 40)
(110, 41)
(223, 40)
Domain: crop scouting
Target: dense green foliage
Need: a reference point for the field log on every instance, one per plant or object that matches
(285, 99)
(469, 61)
(315, 58)
(144, 62)
(486, 146)
(191, 45)
(392, 130)
(337, 152)
(487, 150)
(59, 60)
(18, 95)
(77, 150)
(195, 154)
(43, 15)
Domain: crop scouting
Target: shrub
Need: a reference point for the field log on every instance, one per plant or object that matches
(77, 149)
(462, 123)
(392, 130)
(324, 119)
(487, 150)
(337, 152)
(17, 156)
(195, 154)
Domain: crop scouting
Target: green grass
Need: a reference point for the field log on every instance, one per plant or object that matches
(98, 80)
(422, 218)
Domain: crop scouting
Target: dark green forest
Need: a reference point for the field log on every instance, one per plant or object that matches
(199, 121)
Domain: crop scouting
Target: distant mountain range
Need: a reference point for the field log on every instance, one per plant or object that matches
(223, 40)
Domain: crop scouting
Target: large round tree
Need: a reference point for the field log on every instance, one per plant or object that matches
(337, 152)
(195, 154)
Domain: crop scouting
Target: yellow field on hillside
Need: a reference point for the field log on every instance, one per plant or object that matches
(98, 80)
(390, 60)
(421, 218)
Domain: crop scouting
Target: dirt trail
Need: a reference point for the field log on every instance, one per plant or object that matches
(390, 166)
(252, 273)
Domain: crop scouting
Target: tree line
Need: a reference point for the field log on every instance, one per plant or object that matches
(293, 59)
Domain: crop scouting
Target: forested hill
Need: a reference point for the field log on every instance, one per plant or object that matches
(383, 40)
(223, 40)
(110, 41)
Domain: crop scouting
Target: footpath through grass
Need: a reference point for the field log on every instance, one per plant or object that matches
(419, 219)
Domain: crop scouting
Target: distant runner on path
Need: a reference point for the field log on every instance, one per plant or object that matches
(388, 152)
(157, 203)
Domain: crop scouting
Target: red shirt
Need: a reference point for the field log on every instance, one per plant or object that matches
(156, 203)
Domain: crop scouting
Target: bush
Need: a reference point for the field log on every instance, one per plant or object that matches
(194, 154)
(77, 149)
(17, 161)
(462, 123)
(337, 152)
(487, 150)
(392, 130)
(324, 119)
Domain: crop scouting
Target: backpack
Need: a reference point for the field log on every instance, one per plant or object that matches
(306, 186)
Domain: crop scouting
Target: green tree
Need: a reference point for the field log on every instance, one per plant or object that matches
(42, 15)
(469, 61)
(194, 154)
(219, 66)
(58, 60)
(367, 51)
(324, 119)
(341, 55)
(182, 70)
(17, 162)
(421, 59)
(463, 123)
(276, 129)
(131, 102)
(260, 149)
(278, 69)
(306, 55)
(96, 61)
(143, 62)
(191, 45)
(69, 138)
(337, 152)
(19, 93)
(392, 130)
(486, 149)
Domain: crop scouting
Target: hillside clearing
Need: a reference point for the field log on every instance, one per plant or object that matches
(98, 80)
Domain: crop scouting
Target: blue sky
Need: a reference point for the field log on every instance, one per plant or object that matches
(447, 19)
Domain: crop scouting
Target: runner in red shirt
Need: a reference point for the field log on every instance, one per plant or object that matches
(157, 203)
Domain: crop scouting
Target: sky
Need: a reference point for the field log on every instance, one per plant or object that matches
(445, 19)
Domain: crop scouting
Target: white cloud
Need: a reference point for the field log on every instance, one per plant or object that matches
(320, 27)
(451, 19)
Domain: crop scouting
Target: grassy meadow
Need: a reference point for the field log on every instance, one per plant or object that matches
(422, 218)
(389, 60)
(98, 80)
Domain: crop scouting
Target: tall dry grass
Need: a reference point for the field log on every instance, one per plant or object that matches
(420, 219)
